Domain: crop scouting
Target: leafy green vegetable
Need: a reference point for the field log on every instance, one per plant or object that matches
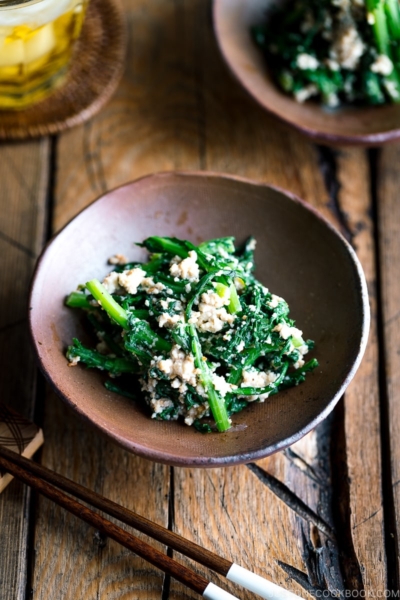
(347, 52)
(200, 335)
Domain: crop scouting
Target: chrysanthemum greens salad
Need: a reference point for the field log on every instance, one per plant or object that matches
(336, 51)
(191, 331)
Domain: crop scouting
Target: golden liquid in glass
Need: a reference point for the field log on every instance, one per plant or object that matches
(34, 55)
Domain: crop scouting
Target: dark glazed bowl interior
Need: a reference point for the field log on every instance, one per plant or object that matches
(367, 126)
(299, 256)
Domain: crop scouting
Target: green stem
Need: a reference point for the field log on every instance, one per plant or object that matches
(78, 300)
(113, 309)
(94, 360)
(217, 404)
(393, 17)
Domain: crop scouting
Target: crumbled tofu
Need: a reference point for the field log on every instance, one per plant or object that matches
(275, 300)
(74, 361)
(179, 365)
(382, 65)
(303, 349)
(117, 259)
(307, 62)
(285, 331)
(213, 299)
(111, 283)
(130, 280)
(221, 385)
(159, 405)
(151, 287)
(186, 268)
(348, 48)
(257, 379)
(211, 319)
(333, 65)
(170, 321)
(305, 93)
(252, 244)
(196, 412)
(240, 346)
(299, 363)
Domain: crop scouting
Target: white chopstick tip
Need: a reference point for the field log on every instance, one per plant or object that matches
(213, 592)
(264, 588)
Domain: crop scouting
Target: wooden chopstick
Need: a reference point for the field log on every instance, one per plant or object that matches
(228, 569)
(192, 580)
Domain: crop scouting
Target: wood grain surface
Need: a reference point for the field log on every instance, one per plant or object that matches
(316, 518)
(24, 176)
(388, 181)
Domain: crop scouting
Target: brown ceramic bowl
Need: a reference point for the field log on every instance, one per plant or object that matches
(299, 256)
(367, 126)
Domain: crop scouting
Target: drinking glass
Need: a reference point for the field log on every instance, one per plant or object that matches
(36, 43)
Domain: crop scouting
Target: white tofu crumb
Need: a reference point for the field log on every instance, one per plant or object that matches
(151, 287)
(333, 65)
(196, 412)
(209, 318)
(159, 405)
(169, 321)
(307, 62)
(285, 331)
(130, 280)
(240, 346)
(111, 283)
(306, 93)
(252, 244)
(179, 365)
(252, 307)
(186, 268)
(348, 48)
(371, 18)
(213, 299)
(275, 300)
(117, 259)
(302, 349)
(257, 379)
(221, 385)
(299, 363)
(382, 65)
(74, 361)
(391, 89)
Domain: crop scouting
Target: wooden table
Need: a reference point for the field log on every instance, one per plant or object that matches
(179, 108)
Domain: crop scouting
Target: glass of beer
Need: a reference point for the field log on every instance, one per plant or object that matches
(36, 43)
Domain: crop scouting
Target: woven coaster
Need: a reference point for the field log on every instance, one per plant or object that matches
(95, 72)
(17, 434)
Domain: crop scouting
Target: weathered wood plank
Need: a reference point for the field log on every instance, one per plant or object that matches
(24, 170)
(388, 206)
(362, 412)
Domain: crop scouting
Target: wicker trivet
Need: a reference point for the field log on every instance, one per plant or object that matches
(96, 69)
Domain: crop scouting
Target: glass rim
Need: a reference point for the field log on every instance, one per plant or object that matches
(16, 3)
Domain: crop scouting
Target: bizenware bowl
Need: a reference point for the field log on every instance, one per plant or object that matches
(233, 20)
(299, 256)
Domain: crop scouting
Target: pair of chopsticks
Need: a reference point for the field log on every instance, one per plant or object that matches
(47, 483)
